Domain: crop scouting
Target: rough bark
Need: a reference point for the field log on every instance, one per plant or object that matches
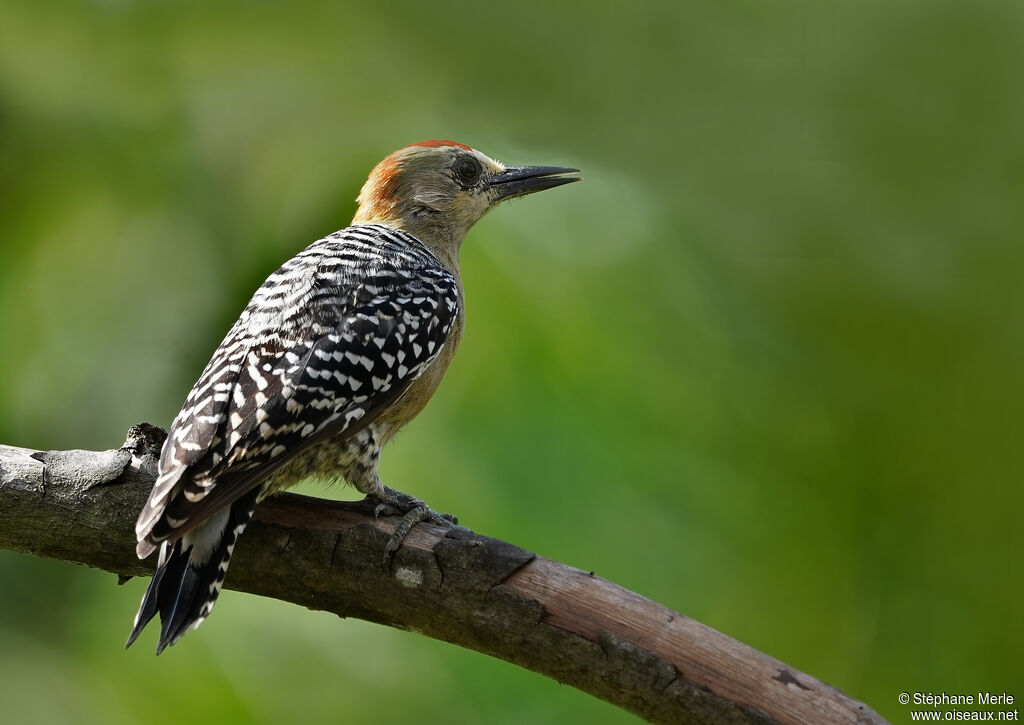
(474, 591)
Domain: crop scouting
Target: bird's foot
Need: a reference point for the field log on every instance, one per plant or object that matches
(413, 511)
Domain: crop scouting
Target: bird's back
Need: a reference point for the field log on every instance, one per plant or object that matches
(332, 338)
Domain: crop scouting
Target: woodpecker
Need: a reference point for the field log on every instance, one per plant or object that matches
(341, 346)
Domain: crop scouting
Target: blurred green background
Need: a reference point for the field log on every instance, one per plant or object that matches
(763, 365)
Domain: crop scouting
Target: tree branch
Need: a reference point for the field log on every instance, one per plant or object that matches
(474, 591)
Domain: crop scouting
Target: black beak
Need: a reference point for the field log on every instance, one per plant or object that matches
(522, 180)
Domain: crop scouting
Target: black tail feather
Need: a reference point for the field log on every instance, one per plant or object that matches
(186, 584)
(181, 608)
(147, 610)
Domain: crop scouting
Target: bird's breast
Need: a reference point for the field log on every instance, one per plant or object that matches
(422, 389)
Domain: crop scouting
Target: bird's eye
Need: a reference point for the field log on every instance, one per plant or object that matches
(468, 170)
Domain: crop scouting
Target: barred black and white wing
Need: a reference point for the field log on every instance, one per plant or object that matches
(330, 340)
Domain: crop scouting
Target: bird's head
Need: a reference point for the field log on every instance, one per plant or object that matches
(437, 190)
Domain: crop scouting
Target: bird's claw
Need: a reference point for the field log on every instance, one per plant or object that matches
(413, 511)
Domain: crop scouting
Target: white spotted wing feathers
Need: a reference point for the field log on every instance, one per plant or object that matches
(330, 339)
